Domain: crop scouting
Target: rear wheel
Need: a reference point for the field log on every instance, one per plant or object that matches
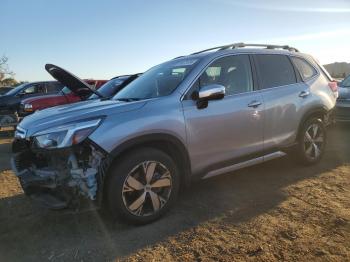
(142, 186)
(311, 141)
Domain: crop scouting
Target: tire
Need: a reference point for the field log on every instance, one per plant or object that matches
(311, 146)
(129, 186)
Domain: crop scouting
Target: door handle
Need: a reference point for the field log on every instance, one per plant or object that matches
(254, 104)
(304, 94)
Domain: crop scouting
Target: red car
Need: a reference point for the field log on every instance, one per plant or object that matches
(65, 96)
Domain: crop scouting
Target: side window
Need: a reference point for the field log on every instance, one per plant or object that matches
(30, 90)
(275, 70)
(41, 89)
(233, 72)
(53, 87)
(305, 69)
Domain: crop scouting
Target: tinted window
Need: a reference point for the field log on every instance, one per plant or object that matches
(305, 69)
(53, 87)
(233, 72)
(275, 70)
(40, 88)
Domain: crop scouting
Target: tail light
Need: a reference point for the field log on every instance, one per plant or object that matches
(333, 86)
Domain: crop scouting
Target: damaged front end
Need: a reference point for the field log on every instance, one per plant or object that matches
(60, 178)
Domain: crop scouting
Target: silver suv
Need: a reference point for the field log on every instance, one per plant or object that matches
(195, 116)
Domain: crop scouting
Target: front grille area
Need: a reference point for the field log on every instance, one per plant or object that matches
(20, 145)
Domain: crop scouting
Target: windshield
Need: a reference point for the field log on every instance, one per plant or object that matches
(110, 88)
(16, 90)
(159, 81)
(346, 82)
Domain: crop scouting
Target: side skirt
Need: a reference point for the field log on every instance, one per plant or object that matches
(247, 163)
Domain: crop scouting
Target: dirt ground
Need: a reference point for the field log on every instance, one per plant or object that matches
(272, 212)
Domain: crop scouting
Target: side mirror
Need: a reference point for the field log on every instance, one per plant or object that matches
(212, 92)
(209, 92)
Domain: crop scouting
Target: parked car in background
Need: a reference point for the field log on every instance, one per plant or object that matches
(342, 113)
(193, 117)
(109, 89)
(10, 102)
(5, 89)
(71, 93)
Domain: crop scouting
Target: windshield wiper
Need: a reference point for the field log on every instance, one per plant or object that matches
(130, 99)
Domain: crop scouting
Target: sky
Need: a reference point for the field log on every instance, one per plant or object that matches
(102, 39)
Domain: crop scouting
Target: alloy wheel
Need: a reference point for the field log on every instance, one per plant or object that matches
(313, 141)
(147, 188)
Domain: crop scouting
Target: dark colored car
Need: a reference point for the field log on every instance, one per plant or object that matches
(343, 102)
(5, 89)
(69, 94)
(10, 102)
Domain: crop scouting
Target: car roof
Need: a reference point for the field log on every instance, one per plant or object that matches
(213, 54)
(40, 82)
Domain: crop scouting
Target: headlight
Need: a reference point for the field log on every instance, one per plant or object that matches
(28, 107)
(66, 135)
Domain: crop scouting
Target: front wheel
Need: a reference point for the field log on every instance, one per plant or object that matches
(311, 141)
(142, 186)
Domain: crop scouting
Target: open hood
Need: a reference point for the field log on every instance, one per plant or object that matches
(74, 83)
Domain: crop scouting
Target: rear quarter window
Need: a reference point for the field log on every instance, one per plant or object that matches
(275, 70)
(306, 70)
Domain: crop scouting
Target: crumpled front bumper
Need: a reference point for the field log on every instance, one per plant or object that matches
(41, 187)
(57, 179)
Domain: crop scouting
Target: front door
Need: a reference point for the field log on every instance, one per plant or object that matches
(230, 130)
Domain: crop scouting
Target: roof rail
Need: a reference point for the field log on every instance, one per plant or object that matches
(240, 45)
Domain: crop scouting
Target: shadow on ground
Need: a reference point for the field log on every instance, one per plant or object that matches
(30, 233)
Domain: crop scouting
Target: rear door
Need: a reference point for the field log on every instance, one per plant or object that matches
(228, 131)
(284, 94)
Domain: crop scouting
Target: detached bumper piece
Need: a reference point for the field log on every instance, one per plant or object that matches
(58, 179)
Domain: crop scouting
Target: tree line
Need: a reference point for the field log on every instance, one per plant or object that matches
(6, 75)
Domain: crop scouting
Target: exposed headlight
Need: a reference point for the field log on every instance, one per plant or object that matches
(66, 135)
(28, 107)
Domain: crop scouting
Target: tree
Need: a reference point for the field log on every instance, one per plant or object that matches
(5, 72)
(9, 82)
(4, 68)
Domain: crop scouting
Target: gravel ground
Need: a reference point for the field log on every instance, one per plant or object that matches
(271, 212)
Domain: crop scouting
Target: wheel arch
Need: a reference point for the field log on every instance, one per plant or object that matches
(319, 112)
(167, 143)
